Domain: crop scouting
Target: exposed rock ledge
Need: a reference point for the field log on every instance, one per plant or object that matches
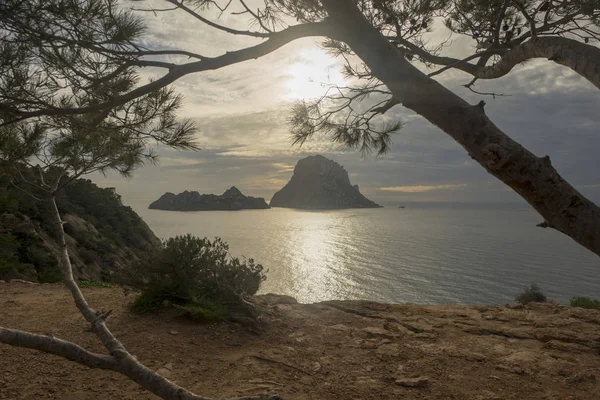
(327, 351)
(231, 199)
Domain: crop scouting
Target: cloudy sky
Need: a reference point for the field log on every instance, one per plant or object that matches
(241, 113)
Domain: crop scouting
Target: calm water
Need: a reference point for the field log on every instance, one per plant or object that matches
(426, 253)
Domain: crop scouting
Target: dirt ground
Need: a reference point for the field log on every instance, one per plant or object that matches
(326, 351)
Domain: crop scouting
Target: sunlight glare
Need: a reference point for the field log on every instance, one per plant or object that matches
(310, 78)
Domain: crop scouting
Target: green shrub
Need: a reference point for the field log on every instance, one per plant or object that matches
(531, 294)
(585, 302)
(146, 302)
(198, 274)
(207, 310)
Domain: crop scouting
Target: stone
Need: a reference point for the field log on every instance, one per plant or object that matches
(419, 382)
(231, 199)
(392, 350)
(319, 183)
(174, 332)
(425, 335)
(372, 330)
(341, 328)
(316, 367)
(167, 373)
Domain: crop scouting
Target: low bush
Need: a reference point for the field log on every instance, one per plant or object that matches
(585, 302)
(197, 274)
(146, 302)
(531, 294)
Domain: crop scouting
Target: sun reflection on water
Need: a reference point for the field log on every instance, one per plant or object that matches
(314, 259)
(420, 255)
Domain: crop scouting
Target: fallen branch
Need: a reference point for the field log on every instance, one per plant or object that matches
(59, 347)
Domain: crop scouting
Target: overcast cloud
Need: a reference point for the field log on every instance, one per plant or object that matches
(241, 112)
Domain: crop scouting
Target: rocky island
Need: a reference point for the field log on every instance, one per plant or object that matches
(320, 183)
(232, 199)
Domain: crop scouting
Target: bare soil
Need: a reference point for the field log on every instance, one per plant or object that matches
(327, 351)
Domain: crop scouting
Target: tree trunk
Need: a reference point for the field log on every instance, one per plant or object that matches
(124, 363)
(581, 58)
(533, 178)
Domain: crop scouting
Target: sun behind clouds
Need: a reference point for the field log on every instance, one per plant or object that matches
(310, 77)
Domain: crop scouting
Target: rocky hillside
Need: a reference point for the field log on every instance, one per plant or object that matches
(102, 233)
(231, 199)
(338, 350)
(320, 183)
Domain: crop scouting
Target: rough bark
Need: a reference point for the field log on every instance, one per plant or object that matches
(532, 177)
(581, 58)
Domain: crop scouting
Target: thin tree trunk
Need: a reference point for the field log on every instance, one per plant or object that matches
(533, 178)
(121, 361)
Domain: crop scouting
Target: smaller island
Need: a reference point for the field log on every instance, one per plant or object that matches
(231, 200)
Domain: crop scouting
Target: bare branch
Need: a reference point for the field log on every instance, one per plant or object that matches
(165, 52)
(528, 17)
(499, 23)
(386, 107)
(470, 87)
(18, 187)
(56, 346)
(464, 60)
(199, 17)
(256, 16)
(154, 10)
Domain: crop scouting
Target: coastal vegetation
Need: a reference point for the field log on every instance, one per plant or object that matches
(102, 233)
(585, 302)
(198, 275)
(531, 294)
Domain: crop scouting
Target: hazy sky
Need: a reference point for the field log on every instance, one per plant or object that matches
(241, 114)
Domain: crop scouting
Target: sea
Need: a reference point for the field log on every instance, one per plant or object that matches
(425, 253)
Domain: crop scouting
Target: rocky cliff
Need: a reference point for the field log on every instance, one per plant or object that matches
(320, 183)
(102, 234)
(232, 199)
